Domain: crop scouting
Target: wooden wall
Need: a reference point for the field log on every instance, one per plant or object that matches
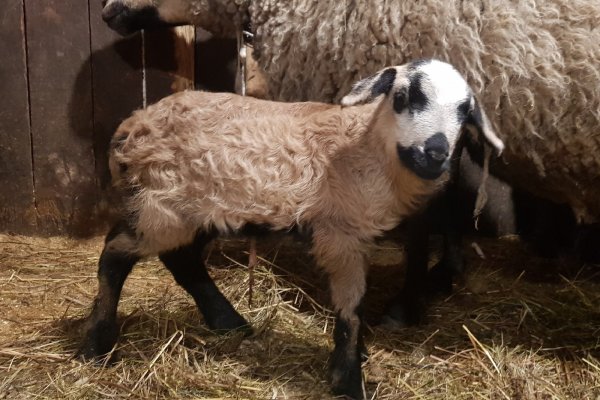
(66, 82)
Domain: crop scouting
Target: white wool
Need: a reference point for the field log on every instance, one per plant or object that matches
(534, 65)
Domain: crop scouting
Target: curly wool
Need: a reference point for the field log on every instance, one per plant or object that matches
(534, 64)
(208, 160)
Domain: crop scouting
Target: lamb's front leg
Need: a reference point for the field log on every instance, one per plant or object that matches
(343, 258)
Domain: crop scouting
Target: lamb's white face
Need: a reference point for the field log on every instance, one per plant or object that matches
(430, 103)
(430, 112)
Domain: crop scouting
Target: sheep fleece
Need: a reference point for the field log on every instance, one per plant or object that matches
(183, 166)
(534, 64)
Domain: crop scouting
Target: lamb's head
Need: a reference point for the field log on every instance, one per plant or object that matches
(220, 17)
(427, 105)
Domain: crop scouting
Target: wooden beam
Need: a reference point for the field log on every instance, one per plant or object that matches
(117, 87)
(216, 62)
(17, 207)
(61, 115)
(185, 56)
(169, 61)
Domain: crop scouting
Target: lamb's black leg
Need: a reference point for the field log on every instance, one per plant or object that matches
(187, 266)
(348, 352)
(408, 306)
(116, 262)
(451, 265)
(587, 243)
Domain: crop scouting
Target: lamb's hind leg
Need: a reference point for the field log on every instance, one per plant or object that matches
(187, 266)
(116, 262)
(343, 258)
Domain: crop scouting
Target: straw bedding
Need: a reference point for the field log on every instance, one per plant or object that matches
(519, 327)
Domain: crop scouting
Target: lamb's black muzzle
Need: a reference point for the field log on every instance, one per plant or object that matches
(429, 163)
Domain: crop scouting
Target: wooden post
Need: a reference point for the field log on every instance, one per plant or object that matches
(256, 83)
(17, 207)
(215, 62)
(58, 44)
(184, 54)
(117, 87)
(169, 61)
(67, 82)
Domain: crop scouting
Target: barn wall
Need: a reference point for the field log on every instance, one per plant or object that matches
(67, 81)
(17, 210)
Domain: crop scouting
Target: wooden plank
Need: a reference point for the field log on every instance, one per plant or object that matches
(186, 58)
(17, 208)
(216, 63)
(169, 61)
(117, 87)
(61, 115)
(256, 82)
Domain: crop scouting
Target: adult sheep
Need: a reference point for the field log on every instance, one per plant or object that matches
(198, 164)
(534, 64)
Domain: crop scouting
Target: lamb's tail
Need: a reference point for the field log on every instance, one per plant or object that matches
(122, 143)
(116, 162)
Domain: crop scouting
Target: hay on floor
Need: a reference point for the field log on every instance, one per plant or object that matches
(519, 327)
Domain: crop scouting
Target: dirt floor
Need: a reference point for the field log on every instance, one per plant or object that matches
(518, 327)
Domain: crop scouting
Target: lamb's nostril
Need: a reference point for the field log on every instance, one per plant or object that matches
(437, 148)
(112, 10)
(436, 155)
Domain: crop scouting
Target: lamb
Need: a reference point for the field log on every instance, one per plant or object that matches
(534, 64)
(200, 164)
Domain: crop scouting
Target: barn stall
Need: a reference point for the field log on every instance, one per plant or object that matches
(519, 326)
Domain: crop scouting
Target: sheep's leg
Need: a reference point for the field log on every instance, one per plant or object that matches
(187, 266)
(451, 265)
(116, 262)
(343, 258)
(587, 243)
(408, 306)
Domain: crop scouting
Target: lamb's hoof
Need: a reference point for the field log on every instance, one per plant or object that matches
(347, 382)
(439, 280)
(392, 323)
(363, 352)
(99, 342)
(586, 244)
(225, 324)
(403, 313)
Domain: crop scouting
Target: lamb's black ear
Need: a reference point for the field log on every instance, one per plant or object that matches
(368, 89)
(478, 122)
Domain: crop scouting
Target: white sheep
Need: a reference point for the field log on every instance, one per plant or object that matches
(198, 164)
(533, 63)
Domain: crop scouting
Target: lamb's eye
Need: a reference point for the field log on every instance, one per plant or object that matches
(463, 110)
(400, 101)
(417, 99)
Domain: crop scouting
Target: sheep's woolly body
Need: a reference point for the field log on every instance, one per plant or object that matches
(253, 161)
(536, 65)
